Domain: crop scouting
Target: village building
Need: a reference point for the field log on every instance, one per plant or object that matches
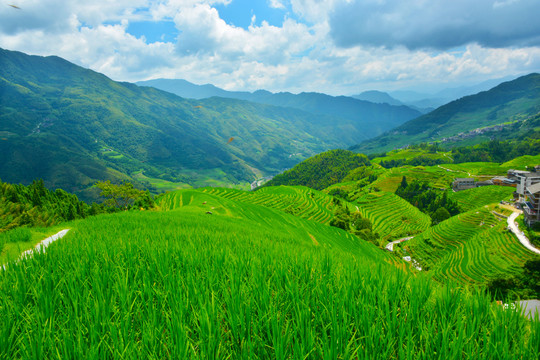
(524, 179)
(463, 184)
(504, 181)
(484, 183)
(531, 206)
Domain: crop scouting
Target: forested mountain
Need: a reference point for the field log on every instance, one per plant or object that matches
(371, 116)
(72, 126)
(510, 102)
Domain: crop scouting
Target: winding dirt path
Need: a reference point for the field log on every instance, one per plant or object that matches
(520, 235)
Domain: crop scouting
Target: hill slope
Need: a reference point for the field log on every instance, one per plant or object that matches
(72, 126)
(510, 101)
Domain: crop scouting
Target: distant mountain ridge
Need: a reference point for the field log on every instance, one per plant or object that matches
(377, 117)
(510, 101)
(378, 97)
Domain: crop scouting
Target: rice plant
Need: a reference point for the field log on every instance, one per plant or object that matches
(183, 284)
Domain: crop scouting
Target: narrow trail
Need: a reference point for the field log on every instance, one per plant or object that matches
(520, 235)
(42, 245)
(390, 245)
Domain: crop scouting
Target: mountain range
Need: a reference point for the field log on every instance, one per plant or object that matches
(488, 111)
(72, 126)
(377, 115)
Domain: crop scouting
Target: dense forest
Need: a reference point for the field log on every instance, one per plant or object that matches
(35, 205)
(433, 202)
(498, 151)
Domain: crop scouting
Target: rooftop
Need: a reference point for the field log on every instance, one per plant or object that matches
(533, 189)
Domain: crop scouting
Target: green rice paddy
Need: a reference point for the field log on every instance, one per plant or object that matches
(184, 284)
(471, 248)
(479, 197)
(391, 216)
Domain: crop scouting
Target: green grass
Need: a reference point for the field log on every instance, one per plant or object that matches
(391, 216)
(185, 285)
(477, 197)
(521, 162)
(310, 231)
(479, 169)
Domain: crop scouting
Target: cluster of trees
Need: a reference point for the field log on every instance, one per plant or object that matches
(497, 151)
(353, 222)
(35, 205)
(417, 161)
(124, 196)
(433, 202)
(526, 284)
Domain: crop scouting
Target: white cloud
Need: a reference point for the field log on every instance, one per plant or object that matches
(294, 56)
(276, 4)
(438, 24)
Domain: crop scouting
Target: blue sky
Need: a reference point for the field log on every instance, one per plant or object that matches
(331, 46)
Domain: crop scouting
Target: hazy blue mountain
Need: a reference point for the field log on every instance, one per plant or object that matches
(188, 90)
(510, 101)
(376, 117)
(431, 101)
(378, 97)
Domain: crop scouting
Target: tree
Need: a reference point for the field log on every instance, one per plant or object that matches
(440, 215)
(404, 182)
(121, 195)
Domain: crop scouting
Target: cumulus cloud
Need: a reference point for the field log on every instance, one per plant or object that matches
(277, 4)
(299, 55)
(437, 24)
(203, 32)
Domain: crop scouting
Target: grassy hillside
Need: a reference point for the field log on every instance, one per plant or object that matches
(296, 200)
(512, 101)
(295, 227)
(244, 282)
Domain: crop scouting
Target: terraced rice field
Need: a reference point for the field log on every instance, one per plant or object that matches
(310, 231)
(298, 200)
(181, 284)
(435, 176)
(432, 245)
(478, 197)
(487, 255)
(391, 216)
(413, 153)
(471, 248)
(478, 169)
(521, 162)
